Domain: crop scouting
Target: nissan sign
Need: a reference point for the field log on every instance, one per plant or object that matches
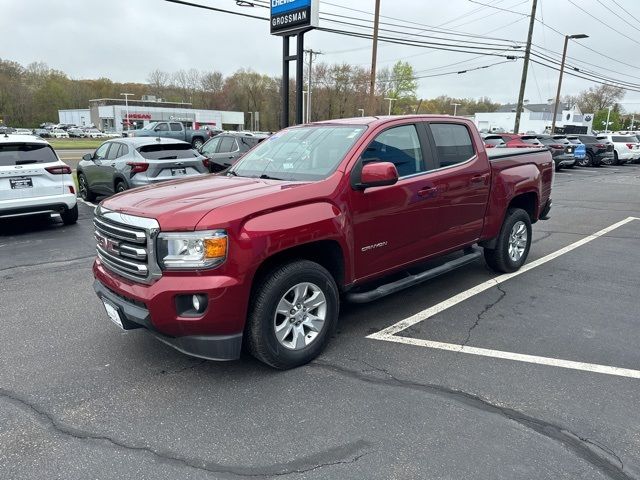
(289, 17)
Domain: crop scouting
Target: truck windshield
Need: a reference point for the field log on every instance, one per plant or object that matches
(303, 153)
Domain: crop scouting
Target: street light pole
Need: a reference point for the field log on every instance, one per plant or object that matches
(391, 100)
(455, 108)
(608, 123)
(361, 110)
(126, 103)
(564, 58)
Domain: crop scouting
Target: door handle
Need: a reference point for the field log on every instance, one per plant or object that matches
(479, 179)
(427, 192)
(113, 164)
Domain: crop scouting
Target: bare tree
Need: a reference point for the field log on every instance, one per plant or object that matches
(158, 82)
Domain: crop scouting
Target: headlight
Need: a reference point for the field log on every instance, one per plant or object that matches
(189, 250)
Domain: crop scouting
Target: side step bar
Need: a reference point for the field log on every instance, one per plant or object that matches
(471, 254)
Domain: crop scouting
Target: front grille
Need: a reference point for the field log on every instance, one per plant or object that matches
(125, 245)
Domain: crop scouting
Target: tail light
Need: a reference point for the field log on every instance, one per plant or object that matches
(557, 146)
(600, 145)
(630, 145)
(59, 170)
(206, 162)
(71, 189)
(138, 167)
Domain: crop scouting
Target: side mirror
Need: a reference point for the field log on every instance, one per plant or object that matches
(88, 157)
(377, 175)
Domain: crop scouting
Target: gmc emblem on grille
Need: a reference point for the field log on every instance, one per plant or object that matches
(107, 244)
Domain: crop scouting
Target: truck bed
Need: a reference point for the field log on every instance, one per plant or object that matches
(500, 153)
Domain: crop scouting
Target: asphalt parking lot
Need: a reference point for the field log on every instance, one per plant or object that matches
(528, 376)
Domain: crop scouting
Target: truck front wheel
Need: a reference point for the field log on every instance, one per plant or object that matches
(293, 314)
(513, 243)
(197, 143)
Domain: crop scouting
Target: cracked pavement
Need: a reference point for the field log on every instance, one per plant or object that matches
(80, 399)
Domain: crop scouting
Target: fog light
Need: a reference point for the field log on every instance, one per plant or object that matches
(192, 305)
(196, 303)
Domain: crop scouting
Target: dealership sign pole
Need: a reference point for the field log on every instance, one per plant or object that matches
(291, 18)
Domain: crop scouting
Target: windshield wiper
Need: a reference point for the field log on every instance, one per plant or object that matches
(25, 162)
(171, 157)
(267, 177)
(231, 173)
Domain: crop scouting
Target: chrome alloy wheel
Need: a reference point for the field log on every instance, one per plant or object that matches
(300, 316)
(517, 241)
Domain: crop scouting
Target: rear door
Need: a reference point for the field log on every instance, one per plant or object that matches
(23, 171)
(97, 173)
(176, 130)
(460, 184)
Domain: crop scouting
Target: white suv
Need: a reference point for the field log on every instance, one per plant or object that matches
(33, 180)
(626, 147)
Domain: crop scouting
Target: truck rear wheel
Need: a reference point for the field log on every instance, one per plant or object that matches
(513, 243)
(197, 143)
(293, 314)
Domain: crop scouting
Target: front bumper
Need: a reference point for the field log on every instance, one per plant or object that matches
(135, 314)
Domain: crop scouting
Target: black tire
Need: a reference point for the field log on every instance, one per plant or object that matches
(587, 161)
(557, 167)
(197, 143)
(70, 216)
(85, 192)
(498, 259)
(121, 186)
(260, 332)
(616, 160)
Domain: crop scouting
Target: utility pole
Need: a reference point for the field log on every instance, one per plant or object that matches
(311, 53)
(525, 67)
(374, 59)
(455, 108)
(564, 58)
(126, 103)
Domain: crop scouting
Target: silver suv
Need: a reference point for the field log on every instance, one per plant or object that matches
(124, 163)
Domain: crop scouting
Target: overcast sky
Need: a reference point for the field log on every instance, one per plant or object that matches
(126, 39)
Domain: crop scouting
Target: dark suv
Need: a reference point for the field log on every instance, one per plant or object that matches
(225, 149)
(562, 150)
(598, 151)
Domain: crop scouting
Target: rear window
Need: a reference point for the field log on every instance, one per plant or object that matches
(587, 139)
(247, 143)
(624, 139)
(167, 151)
(453, 143)
(494, 141)
(25, 154)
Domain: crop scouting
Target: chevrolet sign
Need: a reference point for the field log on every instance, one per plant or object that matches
(289, 17)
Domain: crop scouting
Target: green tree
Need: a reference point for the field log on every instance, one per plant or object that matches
(600, 120)
(403, 87)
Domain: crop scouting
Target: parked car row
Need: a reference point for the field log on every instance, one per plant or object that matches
(571, 150)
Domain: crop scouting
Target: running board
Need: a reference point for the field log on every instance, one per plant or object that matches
(470, 255)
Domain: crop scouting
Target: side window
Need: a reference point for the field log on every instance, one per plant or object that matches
(101, 152)
(227, 144)
(113, 151)
(453, 143)
(124, 150)
(162, 127)
(400, 146)
(176, 127)
(210, 147)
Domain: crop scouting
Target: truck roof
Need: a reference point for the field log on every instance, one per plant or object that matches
(378, 120)
(142, 141)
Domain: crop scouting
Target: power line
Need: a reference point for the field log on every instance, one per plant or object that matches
(499, 8)
(619, 16)
(625, 11)
(603, 23)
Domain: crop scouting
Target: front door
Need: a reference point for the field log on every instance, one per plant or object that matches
(389, 221)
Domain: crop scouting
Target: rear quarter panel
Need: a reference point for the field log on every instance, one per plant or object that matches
(513, 176)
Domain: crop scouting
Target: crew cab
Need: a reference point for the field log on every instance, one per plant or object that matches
(344, 210)
(173, 130)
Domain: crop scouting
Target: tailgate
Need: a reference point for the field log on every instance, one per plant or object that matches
(23, 171)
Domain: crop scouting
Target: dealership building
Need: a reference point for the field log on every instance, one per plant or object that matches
(535, 118)
(113, 114)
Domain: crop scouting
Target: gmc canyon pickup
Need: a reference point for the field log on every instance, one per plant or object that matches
(348, 209)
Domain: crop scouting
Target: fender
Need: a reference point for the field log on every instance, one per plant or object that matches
(273, 232)
(506, 185)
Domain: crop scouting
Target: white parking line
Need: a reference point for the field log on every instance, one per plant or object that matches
(389, 334)
(93, 205)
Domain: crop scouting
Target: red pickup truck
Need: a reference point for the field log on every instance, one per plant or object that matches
(338, 210)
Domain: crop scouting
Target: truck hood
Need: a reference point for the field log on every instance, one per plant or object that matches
(181, 204)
